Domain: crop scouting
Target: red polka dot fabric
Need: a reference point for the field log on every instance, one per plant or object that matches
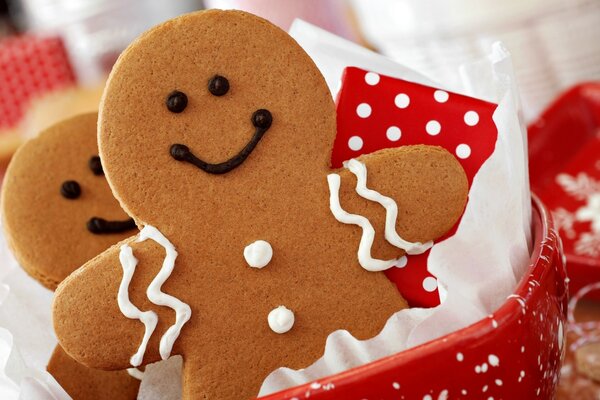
(375, 112)
(29, 66)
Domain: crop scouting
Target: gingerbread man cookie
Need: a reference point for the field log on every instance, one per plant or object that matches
(216, 131)
(58, 212)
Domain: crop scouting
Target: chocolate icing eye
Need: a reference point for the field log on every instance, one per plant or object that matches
(218, 85)
(70, 190)
(96, 165)
(262, 119)
(177, 101)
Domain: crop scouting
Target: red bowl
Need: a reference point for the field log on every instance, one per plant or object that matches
(566, 138)
(516, 353)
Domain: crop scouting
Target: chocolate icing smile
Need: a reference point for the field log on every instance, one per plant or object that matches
(100, 226)
(261, 119)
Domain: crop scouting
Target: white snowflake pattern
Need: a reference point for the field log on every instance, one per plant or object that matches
(582, 188)
(564, 221)
(591, 212)
(588, 244)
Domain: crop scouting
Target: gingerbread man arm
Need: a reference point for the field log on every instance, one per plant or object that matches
(102, 336)
(427, 184)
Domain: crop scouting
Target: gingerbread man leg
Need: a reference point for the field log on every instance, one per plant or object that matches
(83, 383)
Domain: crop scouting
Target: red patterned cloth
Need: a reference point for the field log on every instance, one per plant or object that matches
(376, 112)
(30, 66)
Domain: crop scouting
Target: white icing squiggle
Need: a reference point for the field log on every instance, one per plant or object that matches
(391, 210)
(183, 312)
(135, 373)
(368, 235)
(148, 318)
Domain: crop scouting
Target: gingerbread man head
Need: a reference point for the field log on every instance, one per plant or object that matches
(215, 132)
(58, 211)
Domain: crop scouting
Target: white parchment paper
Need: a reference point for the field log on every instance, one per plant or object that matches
(482, 263)
(479, 266)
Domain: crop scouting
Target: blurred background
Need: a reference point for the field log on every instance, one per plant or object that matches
(56, 54)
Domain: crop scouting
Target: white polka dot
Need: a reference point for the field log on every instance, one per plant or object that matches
(396, 385)
(463, 151)
(401, 262)
(393, 133)
(430, 284)
(471, 118)
(440, 96)
(363, 110)
(460, 357)
(433, 127)
(402, 100)
(372, 78)
(355, 143)
(427, 397)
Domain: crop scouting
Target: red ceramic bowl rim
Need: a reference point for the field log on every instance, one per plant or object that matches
(541, 260)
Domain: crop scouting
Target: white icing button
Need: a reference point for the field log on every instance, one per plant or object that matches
(393, 133)
(281, 319)
(258, 254)
(441, 96)
(402, 100)
(355, 143)
(363, 110)
(433, 127)
(463, 151)
(471, 118)
(372, 78)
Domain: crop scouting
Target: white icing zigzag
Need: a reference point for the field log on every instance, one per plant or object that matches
(391, 210)
(183, 312)
(366, 241)
(148, 318)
